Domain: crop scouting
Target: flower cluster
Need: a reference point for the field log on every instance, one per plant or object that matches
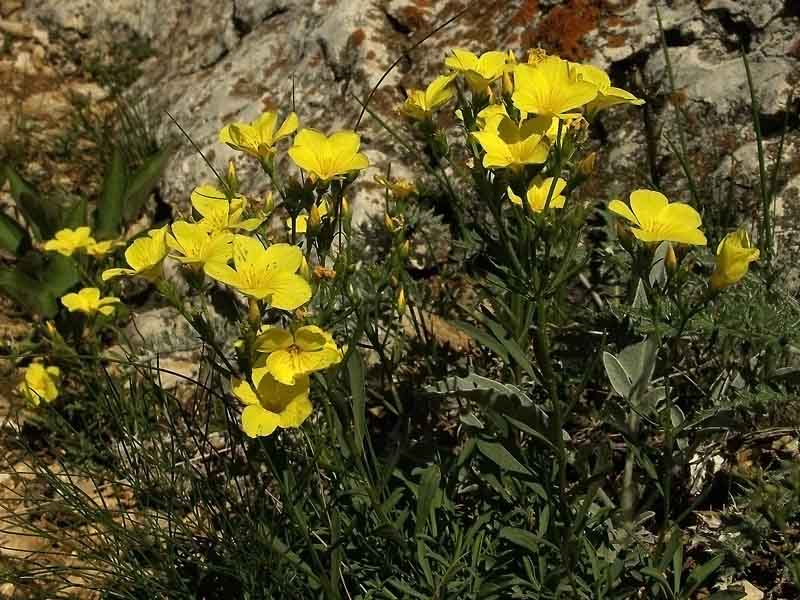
(225, 241)
(69, 241)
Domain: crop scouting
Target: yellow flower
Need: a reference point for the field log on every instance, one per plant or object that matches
(478, 71)
(264, 273)
(88, 301)
(271, 404)
(657, 220)
(537, 194)
(490, 113)
(399, 188)
(734, 255)
(420, 104)
(510, 145)
(292, 355)
(551, 87)
(607, 95)
(144, 256)
(40, 383)
(326, 157)
(219, 213)
(259, 137)
(301, 223)
(198, 245)
(68, 241)
(98, 249)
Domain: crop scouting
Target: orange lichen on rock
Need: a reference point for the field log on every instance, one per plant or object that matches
(525, 14)
(357, 38)
(562, 30)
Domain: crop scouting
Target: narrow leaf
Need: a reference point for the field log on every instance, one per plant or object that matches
(498, 454)
(38, 214)
(428, 488)
(617, 375)
(109, 207)
(12, 236)
(521, 537)
(355, 370)
(27, 292)
(143, 182)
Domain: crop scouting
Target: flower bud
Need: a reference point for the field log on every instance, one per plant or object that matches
(400, 302)
(269, 203)
(670, 260)
(305, 270)
(346, 211)
(508, 84)
(231, 178)
(314, 220)
(405, 249)
(586, 166)
(624, 235)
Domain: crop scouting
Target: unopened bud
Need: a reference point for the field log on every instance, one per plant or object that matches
(670, 260)
(405, 249)
(314, 219)
(346, 211)
(231, 178)
(624, 235)
(508, 84)
(269, 203)
(305, 270)
(586, 166)
(400, 301)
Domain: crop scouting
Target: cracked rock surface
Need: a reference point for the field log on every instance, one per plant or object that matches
(217, 61)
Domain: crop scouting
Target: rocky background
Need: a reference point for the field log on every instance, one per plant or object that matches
(208, 62)
(65, 63)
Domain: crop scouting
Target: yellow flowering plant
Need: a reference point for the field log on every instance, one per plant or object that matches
(497, 366)
(69, 241)
(259, 137)
(420, 104)
(734, 255)
(90, 302)
(478, 71)
(40, 383)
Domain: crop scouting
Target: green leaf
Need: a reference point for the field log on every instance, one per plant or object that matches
(40, 216)
(143, 182)
(640, 300)
(660, 579)
(75, 215)
(483, 338)
(474, 384)
(28, 292)
(639, 361)
(428, 489)
(703, 572)
(521, 537)
(12, 236)
(617, 375)
(499, 455)
(60, 274)
(108, 221)
(355, 370)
